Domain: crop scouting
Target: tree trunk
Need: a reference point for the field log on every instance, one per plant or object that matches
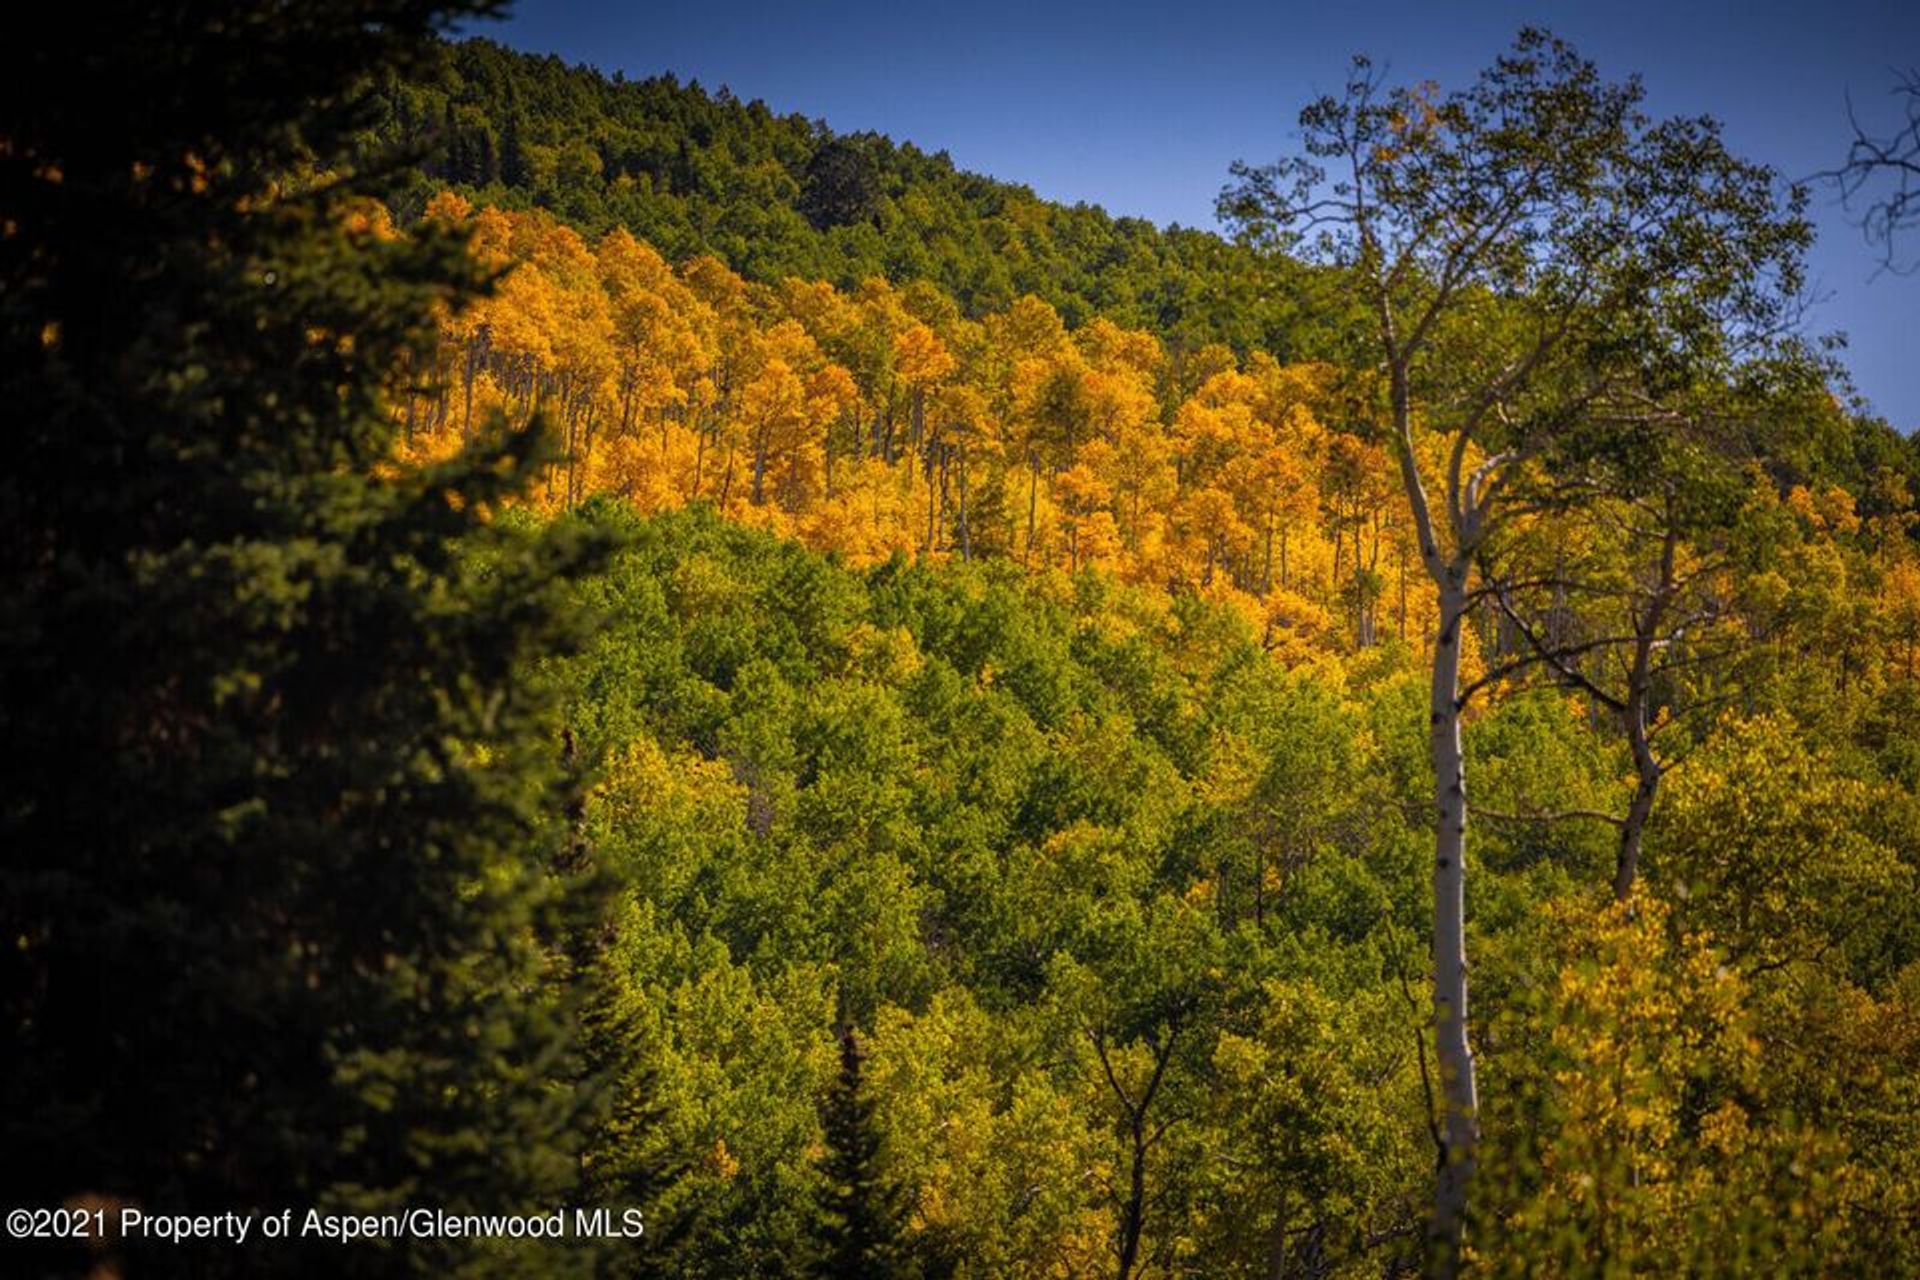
(1033, 499)
(932, 496)
(1639, 809)
(1266, 568)
(1460, 1131)
(1134, 1216)
(472, 371)
(966, 548)
(1638, 705)
(1403, 594)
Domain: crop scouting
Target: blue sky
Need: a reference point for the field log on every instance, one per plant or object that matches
(1140, 108)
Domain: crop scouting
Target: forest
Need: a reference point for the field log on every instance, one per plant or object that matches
(692, 172)
(573, 642)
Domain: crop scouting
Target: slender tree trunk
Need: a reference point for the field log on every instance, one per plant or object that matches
(966, 548)
(1459, 1131)
(1260, 886)
(1636, 712)
(471, 372)
(1634, 827)
(1134, 1216)
(1033, 499)
(932, 494)
(1133, 1213)
(1266, 569)
(946, 486)
(1401, 552)
(1460, 1107)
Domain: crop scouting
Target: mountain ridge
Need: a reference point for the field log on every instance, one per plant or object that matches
(696, 171)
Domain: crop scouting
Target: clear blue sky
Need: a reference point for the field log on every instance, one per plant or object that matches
(1141, 107)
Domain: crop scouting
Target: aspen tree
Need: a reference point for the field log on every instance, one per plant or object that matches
(1529, 248)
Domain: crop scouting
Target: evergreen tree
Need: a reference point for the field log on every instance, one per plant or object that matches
(859, 1221)
(841, 186)
(275, 919)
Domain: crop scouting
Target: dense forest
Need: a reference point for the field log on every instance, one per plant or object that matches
(692, 172)
(697, 174)
(576, 642)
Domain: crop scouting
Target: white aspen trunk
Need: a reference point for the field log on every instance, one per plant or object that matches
(966, 545)
(1460, 1110)
(1459, 1132)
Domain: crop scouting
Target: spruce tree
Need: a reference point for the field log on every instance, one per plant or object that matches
(272, 897)
(859, 1226)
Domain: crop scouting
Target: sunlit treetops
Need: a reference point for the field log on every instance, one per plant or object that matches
(882, 420)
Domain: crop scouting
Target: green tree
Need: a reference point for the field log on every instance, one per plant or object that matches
(859, 1220)
(275, 898)
(1542, 262)
(841, 187)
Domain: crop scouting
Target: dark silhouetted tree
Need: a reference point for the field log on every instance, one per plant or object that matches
(842, 186)
(275, 913)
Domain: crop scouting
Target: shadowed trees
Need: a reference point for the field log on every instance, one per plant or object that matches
(275, 910)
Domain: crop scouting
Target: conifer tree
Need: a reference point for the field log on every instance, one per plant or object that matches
(859, 1222)
(273, 900)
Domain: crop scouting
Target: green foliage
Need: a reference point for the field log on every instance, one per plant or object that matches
(1107, 894)
(1783, 856)
(1000, 821)
(859, 1227)
(695, 172)
(923, 920)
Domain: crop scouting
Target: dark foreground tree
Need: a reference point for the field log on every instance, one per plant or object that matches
(272, 900)
(1545, 268)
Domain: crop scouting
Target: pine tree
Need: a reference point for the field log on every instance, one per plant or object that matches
(274, 913)
(859, 1221)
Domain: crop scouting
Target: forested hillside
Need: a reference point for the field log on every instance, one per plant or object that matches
(662, 659)
(1124, 918)
(697, 173)
(883, 420)
(693, 172)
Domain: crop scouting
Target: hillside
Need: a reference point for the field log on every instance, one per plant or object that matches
(695, 172)
(1074, 858)
(692, 172)
(677, 664)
